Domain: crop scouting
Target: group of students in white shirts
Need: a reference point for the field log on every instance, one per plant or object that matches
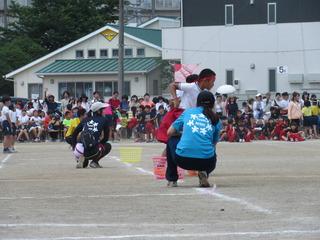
(13, 119)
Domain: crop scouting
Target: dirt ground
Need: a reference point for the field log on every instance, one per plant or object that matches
(262, 190)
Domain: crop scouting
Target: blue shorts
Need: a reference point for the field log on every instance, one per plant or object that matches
(7, 130)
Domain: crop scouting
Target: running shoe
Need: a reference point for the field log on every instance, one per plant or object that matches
(203, 179)
(94, 165)
(172, 184)
(80, 162)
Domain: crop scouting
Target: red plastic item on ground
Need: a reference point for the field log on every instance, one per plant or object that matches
(160, 166)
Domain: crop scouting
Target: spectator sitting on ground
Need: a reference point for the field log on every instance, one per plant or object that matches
(54, 127)
(36, 128)
(23, 126)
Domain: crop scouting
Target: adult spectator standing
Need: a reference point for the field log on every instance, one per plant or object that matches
(294, 109)
(114, 100)
(124, 104)
(52, 105)
(219, 106)
(84, 102)
(147, 101)
(258, 107)
(65, 101)
(162, 103)
(232, 107)
(192, 90)
(284, 104)
(96, 97)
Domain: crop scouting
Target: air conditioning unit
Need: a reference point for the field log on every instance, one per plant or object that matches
(236, 84)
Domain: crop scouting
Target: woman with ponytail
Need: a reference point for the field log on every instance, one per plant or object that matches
(195, 149)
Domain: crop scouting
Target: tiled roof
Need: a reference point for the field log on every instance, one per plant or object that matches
(108, 65)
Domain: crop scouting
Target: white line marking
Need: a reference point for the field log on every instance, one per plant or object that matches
(195, 235)
(4, 160)
(103, 196)
(90, 225)
(213, 192)
(144, 171)
(248, 205)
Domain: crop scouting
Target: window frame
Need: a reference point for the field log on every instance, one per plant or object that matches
(79, 50)
(115, 49)
(104, 49)
(95, 53)
(126, 54)
(229, 70)
(275, 79)
(225, 14)
(144, 52)
(275, 13)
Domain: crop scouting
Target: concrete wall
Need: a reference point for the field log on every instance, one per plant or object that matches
(296, 45)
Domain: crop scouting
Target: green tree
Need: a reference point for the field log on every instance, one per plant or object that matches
(14, 54)
(45, 26)
(55, 23)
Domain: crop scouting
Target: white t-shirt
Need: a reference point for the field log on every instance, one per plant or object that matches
(13, 116)
(24, 119)
(19, 113)
(190, 95)
(36, 120)
(5, 110)
(284, 104)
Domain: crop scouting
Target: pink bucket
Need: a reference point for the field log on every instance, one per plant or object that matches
(160, 166)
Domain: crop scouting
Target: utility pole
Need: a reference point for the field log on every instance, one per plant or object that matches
(5, 13)
(121, 48)
(153, 8)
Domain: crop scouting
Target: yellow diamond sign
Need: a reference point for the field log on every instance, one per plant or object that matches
(109, 34)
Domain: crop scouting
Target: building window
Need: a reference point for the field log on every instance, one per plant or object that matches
(229, 77)
(115, 52)
(91, 53)
(140, 52)
(128, 52)
(229, 14)
(76, 89)
(272, 80)
(272, 13)
(79, 54)
(34, 89)
(155, 87)
(107, 88)
(103, 53)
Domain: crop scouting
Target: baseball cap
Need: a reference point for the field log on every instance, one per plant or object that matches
(97, 106)
(259, 95)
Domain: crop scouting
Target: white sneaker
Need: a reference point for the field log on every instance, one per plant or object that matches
(80, 162)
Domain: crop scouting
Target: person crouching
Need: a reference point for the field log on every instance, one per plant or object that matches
(94, 136)
(196, 149)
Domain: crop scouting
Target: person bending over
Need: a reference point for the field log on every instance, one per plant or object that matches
(196, 149)
(94, 136)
